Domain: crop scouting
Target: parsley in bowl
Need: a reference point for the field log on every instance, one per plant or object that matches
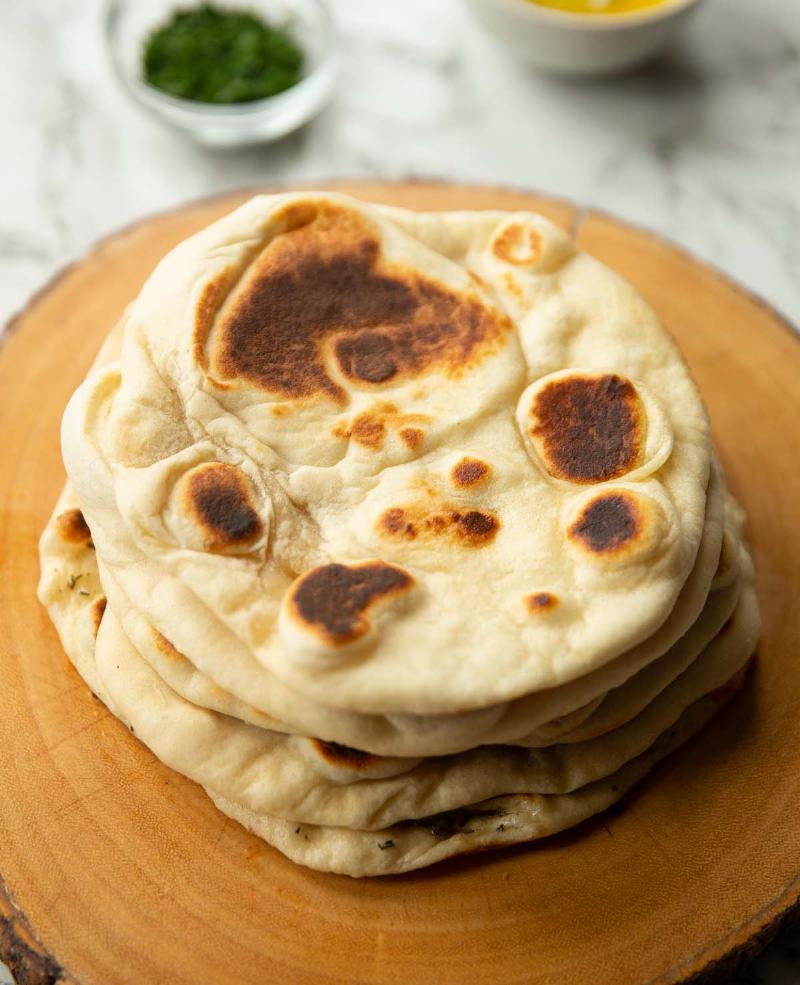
(225, 73)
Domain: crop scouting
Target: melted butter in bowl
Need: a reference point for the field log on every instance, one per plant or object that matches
(584, 37)
(599, 6)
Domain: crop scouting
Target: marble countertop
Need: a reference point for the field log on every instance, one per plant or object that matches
(703, 147)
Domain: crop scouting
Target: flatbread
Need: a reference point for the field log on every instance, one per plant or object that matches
(264, 700)
(601, 714)
(378, 419)
(305, 780)
(79, 613)
(320, 783)
(497, 822)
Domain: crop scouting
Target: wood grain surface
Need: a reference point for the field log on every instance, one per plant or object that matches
(125, 872)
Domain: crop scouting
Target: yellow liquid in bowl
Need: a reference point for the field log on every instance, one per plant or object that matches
(599, 6)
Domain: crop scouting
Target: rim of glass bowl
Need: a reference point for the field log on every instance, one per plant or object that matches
(315, 87)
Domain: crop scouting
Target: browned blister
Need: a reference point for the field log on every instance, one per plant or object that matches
(470, 472)
(518, 244)
(588, 428)
(218, 498)
(323, 286)
(333, 600)
(539, 602)
(611, 523)
(338, 755)
(473, 528)
(165, 648)
(72, 527)
(98, 608)
(370, 428)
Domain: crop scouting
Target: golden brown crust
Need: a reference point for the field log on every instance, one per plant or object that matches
(470, 472)
(370, 427)
(473, 528)
(539, 602)
(512, 285)
(322, 285)
(368, 431)
(591, 428)
(609, 523)
(208, 304)
(218, 498)
(339, 755)
(333, 600)
(97, 610)
(72, 527)
(166, 648)
(518, 244)
(411, 437)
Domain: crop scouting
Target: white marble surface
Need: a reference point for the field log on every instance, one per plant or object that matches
(703, 147)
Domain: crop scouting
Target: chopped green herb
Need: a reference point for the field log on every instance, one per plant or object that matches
(72, 581)
(211, 54)
(383, 845)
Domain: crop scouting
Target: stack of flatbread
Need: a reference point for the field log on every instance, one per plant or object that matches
(400, 533)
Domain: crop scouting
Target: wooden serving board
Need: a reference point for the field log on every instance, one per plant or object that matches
(125, 872)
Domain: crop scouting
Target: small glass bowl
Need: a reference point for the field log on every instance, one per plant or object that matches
(128, 24)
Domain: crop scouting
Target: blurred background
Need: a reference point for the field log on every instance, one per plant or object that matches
(701, 145)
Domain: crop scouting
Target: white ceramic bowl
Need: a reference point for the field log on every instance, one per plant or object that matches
(582, 44)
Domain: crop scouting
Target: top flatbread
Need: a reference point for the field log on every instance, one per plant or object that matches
(413, 465)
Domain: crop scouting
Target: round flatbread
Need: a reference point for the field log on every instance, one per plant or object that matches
(317, 782)
(333, 429)
(248, 691)
(321, 783)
